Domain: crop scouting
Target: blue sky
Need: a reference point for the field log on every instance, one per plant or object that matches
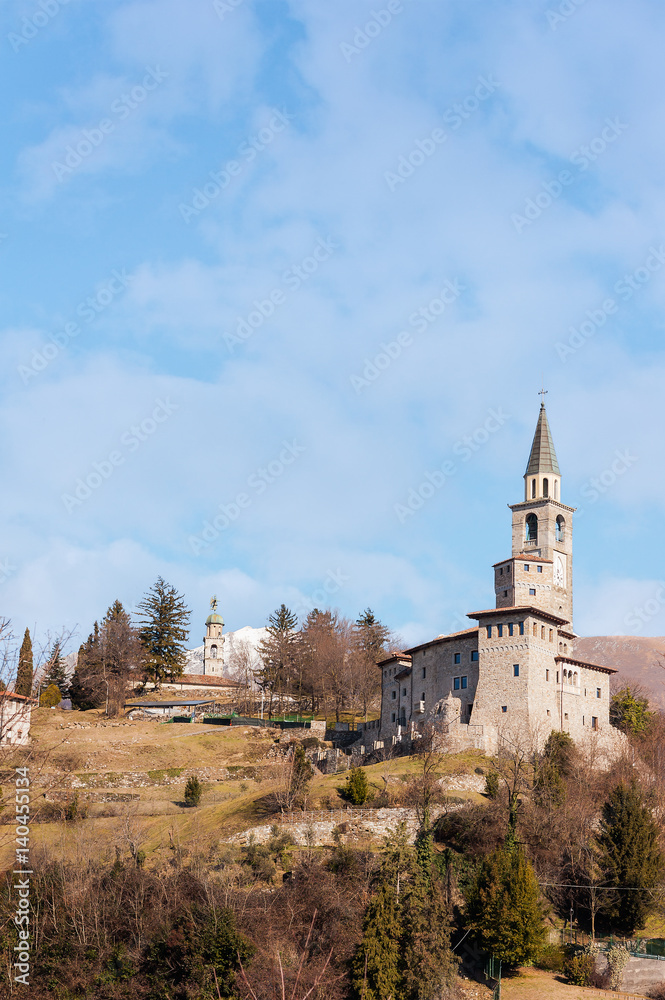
(269, 267)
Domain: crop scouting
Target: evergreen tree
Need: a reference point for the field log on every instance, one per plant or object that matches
(24, 672)
(630, 856)
(629, 711)
(55, 670)
(503, 906)
(120, 652)
(405, 948)
(429, 965)
(376, 971)
(370, 636)
(86, 689)
(163, 630)
(279, 657)
(356, 789)
(554, 766)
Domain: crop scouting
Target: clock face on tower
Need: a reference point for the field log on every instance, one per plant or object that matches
(559, 570)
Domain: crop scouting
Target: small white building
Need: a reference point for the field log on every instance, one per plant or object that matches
(15, 711)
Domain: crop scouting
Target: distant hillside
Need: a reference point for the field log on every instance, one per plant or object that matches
(639, 659)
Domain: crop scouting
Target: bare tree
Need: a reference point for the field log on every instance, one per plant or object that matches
(243, 665)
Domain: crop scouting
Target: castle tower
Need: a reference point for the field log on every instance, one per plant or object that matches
(213, 642)
(539, 573)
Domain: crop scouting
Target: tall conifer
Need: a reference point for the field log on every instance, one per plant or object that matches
(25, 667)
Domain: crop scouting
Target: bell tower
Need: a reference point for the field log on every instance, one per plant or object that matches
(540, 571)
(213, 642)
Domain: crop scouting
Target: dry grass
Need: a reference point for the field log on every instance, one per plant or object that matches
(150, 761)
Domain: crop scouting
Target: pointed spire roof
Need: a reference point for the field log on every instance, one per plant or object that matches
(543, 456)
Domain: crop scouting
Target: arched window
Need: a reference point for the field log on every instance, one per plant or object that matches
(533, 489)
(213, 652)
(575, 679)
(560, 528)
(546, 487)
(531, 528)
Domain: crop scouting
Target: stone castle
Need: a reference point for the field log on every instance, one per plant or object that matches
(515, 671)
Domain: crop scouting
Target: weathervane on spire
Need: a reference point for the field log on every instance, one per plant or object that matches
(213, 604)
(542, 394)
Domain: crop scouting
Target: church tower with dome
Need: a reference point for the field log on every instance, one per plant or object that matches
(213, 642)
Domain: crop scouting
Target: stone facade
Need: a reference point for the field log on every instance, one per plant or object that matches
(515, 672)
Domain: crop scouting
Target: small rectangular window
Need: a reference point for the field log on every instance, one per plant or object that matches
(526, 567)
(504, 708)
(457, 658)
(516, 669)
(532, 591)
(511, 629)
(565, 715)
(521, 628)
(489, 631)
(505, 593)
(501, 571)
(535, 630)
(507, 569)
(597, 692)
(547, 675)
(404, 692)
(540, 569)
(422, 697)
(474, 655)
(393, 695)
(551, 635)
(499, 629)
(464, 683)
(456, 681)
(594, 722)
(392, 717)
(548, 711)
(557, 676)
(424, 672)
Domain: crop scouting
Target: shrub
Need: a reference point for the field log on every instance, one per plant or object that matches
(193, 791)
(579, 968)
(50, 697)
(551, 958)
(492, 785)
(356, 789)
(617, 959)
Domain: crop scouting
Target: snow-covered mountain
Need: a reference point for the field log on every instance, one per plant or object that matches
(234, 642)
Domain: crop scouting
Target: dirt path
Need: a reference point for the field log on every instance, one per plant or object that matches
(532, 984)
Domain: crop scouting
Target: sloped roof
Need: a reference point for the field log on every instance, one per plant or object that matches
(543, 456)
